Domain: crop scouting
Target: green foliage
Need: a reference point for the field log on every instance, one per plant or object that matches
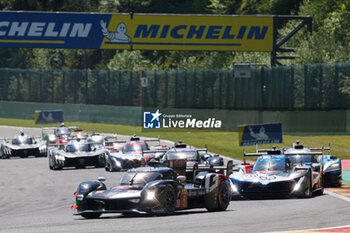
(330, 41)
(279, 7)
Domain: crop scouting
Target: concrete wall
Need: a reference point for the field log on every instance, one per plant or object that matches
(292, 121)
(74, 112)
(335, 121)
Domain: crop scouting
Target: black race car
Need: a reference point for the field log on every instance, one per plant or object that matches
(132, 155)
(192, 155)
(154, 190)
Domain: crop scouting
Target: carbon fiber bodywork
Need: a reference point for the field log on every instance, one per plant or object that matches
(153, 191)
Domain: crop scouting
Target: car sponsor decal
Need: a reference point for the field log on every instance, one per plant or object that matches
(121, 187)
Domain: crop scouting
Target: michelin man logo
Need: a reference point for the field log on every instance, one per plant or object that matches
(151, 120)
(118, 36)
(258, 136)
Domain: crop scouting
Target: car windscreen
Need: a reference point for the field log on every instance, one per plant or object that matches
(175, 155)
(78, 147)
(302, 159)
(97, 140)
(139, 178)
(135, 147)
(62, 130)
(22, 140)
(270, 165)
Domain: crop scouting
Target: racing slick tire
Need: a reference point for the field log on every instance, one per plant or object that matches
(55, 166)
(3, 155)
(91, 215)
(321, 190)
(308, 192)
(110, 168)
(167, 200)
(218, 201)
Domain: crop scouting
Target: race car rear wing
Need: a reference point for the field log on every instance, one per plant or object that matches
(226, 170)
(273, 151)
(134, 138)
(144, 152)
(252, 155)
(305, 153)
(321, 148)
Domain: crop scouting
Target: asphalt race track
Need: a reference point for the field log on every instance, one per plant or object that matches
(36, 199)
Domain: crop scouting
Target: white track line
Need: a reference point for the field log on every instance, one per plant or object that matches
(347, 199)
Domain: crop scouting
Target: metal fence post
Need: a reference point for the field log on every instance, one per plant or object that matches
(292, 87)
(63, 86)
(29, 87)
(75, 79)
(321, 87)
(194, 85)
(120, 87)
(228, 89)
(18, 87)
(305, 88)
(40, 85)
(166, 89)
(220, 89)
(203, 101)
(86, 86)
(185, 91)
(109, 86)
(336, 78)
(155, 102)
(52, 86)
(176, 83)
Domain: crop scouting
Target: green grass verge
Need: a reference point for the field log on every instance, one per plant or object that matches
(225, 143)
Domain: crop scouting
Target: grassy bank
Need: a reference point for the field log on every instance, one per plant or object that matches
(225, 143)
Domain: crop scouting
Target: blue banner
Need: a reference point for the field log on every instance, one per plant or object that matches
(135, 31)
(260, 134)
(48, 116)
(51, 30)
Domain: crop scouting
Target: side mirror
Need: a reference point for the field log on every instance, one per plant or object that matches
(101, 179)
(181, 179)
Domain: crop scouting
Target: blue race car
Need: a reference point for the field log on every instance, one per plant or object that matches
(275, 175)
(332, 172)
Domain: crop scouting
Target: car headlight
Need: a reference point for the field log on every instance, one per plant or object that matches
(298, 185)
(233, 187)
(334, 166)
(150, 195)
(117, 163)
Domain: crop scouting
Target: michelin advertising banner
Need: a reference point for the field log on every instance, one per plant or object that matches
(260, 134)
(48, 116)
(135, 31)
